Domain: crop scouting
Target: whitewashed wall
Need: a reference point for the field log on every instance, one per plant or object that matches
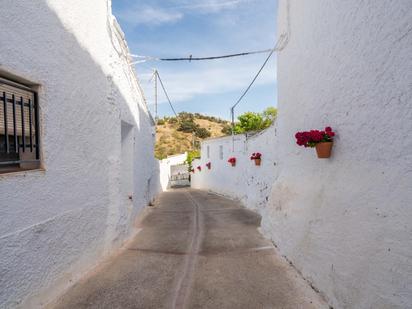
(246, 182)
(58, 222)
(343, 222)
(165, 169)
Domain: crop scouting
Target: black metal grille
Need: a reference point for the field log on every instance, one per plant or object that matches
(19, 126)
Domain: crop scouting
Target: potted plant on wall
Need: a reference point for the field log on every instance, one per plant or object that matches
(257, 156)
(209, 165)
(321, 140)
(232, 161)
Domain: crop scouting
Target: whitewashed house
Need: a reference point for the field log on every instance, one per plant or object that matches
(173, 171)
(343, 222)
(83, 167)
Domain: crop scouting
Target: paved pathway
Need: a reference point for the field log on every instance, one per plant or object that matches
(195, 250)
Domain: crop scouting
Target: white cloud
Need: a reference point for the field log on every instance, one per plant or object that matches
(236, 26)
(185, 85)
(155, 15)
(149, 16)
(211, 5)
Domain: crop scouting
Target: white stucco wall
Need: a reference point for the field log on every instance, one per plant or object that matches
(57, 223)
(246, 182)
(165, 169)
(343, 222)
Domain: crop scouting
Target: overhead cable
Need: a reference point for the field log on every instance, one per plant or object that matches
(165, 92)
(141, 59)
(191, 58)
(280, 45)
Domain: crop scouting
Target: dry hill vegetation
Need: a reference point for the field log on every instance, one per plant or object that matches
(176, 135)
(184, 133)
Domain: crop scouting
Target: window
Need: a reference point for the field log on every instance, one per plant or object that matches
(221, 152)
(208, 152)
(19, 127)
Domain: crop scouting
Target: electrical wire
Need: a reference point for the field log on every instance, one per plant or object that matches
(167, 96)
(191, 58)
(254, 79)
(280, 44)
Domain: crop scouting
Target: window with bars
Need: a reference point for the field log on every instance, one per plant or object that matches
(19, 127)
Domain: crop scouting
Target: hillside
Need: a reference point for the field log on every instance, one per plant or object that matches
(177, 135)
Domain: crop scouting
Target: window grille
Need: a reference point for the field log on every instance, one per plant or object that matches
(19, 127)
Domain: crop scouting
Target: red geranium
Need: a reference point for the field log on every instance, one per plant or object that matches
(199, 168)
(232, 160)
(256, 156)
(313, 137)
(208, 165)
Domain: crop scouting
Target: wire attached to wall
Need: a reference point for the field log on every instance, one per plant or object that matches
(279, 46)
(165, 92)
(191, 58)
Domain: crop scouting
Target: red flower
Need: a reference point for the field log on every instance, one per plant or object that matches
(199, 168)
(256, 155)
(232, 160)
(312, 137)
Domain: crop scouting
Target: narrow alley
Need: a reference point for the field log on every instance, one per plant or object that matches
(195, 250)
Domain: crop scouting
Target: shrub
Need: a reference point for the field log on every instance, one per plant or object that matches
(227, 129)
(187, 126)
(202, 132)
(172, 120)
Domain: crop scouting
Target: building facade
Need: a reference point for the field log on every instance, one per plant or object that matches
(83, 168)
(343, 222)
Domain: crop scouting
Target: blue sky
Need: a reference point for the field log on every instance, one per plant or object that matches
(178, 28)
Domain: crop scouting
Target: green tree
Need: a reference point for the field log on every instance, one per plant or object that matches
(250, 121)
(191, 155)
(269, 116)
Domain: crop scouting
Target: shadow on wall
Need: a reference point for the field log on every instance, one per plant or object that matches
(65, 220)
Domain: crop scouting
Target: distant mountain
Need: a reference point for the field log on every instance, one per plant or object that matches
(176, 135)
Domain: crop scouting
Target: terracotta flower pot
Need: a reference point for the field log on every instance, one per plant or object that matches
(258, 161)
(324, 150)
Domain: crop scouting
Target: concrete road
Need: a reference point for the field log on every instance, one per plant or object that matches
(195, 250)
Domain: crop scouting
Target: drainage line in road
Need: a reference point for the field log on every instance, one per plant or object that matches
(186, 280)
(206, 253)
